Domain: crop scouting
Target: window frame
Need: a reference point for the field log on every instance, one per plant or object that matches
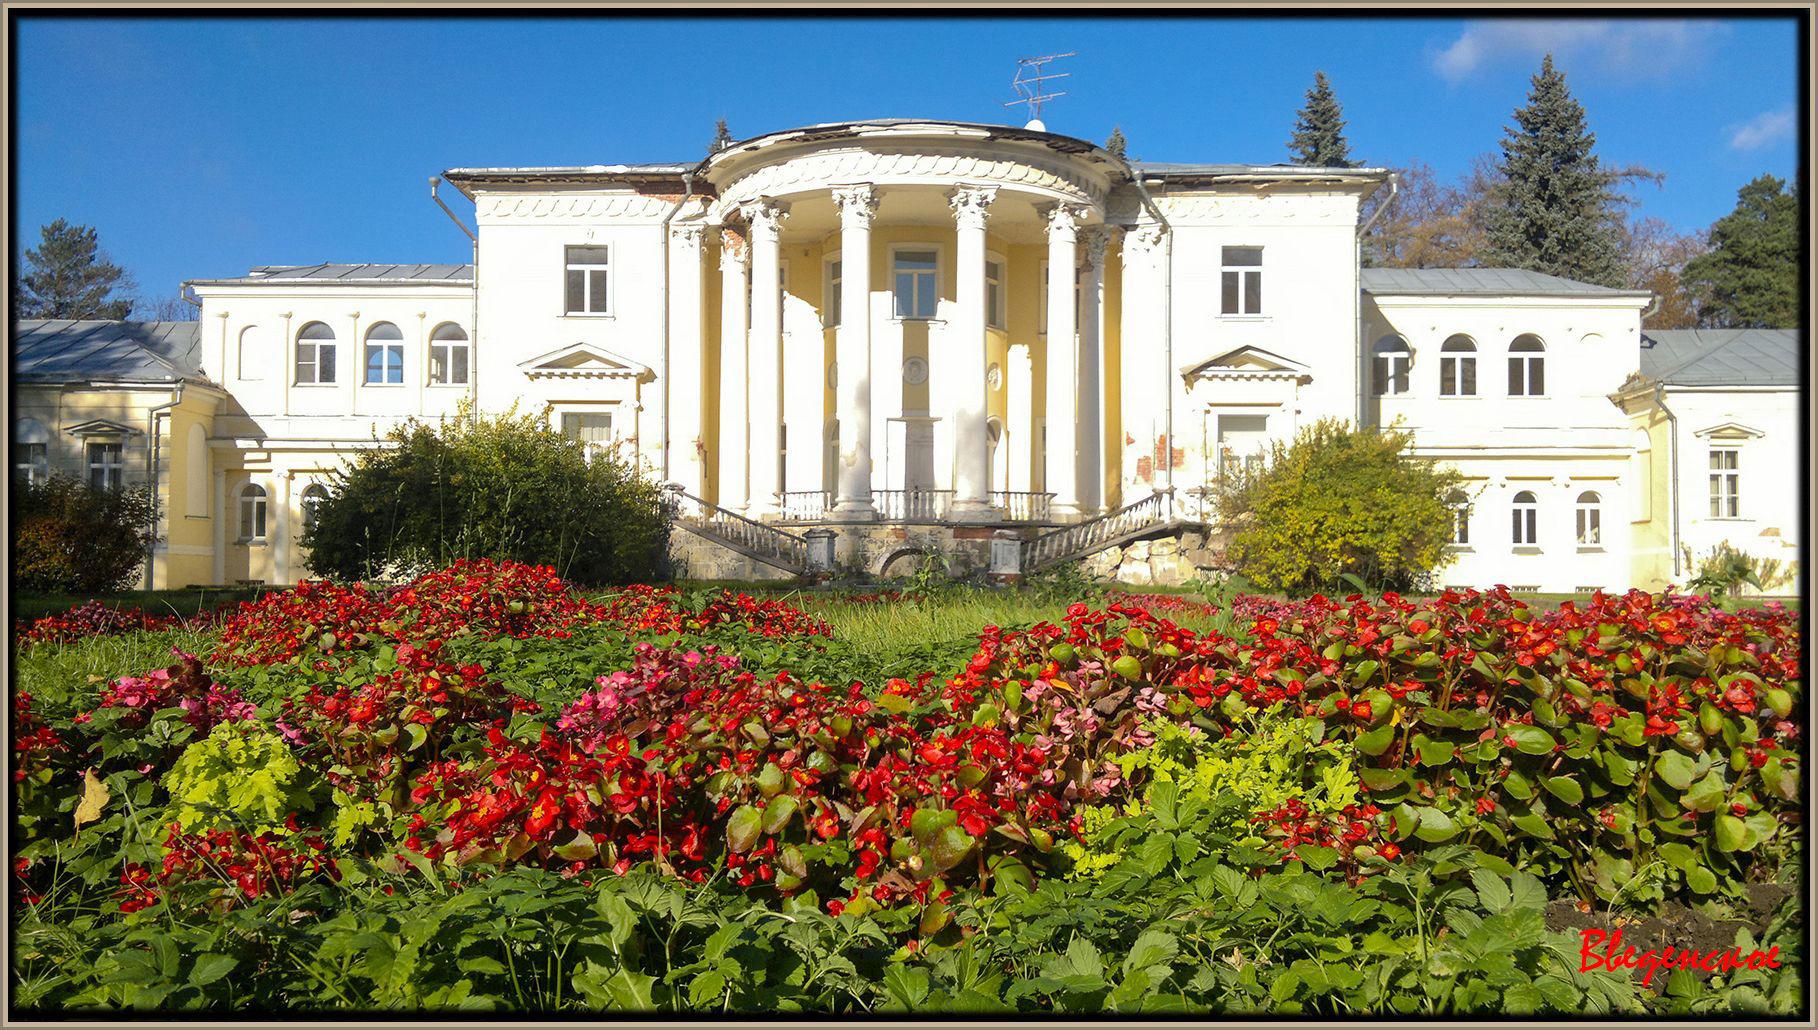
(590, 450)
(316, 346)
(996, 303)
(308, 500)
(1457, 355)
(1248, 276)
(117, 467)
(1531, 507)
(896, 253)
(1717, 477)
(256, 509)
(833, 285)
(1383, 373)
(464, 345)
(1588, 514)
(1460, 506)
(569, 265)
(28, 433)
(387, 349)
(1532, 363)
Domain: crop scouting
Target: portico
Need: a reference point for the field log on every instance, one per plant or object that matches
(907, 327)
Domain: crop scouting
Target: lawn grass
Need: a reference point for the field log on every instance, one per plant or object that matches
(185, 602)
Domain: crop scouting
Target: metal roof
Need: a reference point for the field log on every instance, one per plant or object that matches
(349, 274)
(1507, 282)
(65, 351)
(1722, 357)
(1185, 170)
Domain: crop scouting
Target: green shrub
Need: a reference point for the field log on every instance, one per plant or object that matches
(503, 487)
(1340, 501)
(240, 776)
(70, 537)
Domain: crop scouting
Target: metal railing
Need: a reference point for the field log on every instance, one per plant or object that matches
(805, 505)
(1085, 537)
(915, 505)
(753, 538)
(1022, 505)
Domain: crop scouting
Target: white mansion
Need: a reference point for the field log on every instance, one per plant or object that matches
(908, 330)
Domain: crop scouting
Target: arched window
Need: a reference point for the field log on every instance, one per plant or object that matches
(1458, 367)
(31, 451)
(384, 355)
(313, 496)
(1527, 366)
(1461, 517)
(1389, 366)
(1590, 519)
(315, 354)
(252, 361)
(1527, 519)
(448, 355)
(252, 512)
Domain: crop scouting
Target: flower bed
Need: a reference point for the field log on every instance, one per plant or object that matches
(1628, 747)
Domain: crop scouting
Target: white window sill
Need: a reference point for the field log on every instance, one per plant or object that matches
(382, 386)
(1232, 316)
(1728, 518)
(1590, 549)
(1527, 396)
(1460, 396)
(447, 386)
(246, 542)
(314, 386)
(1460, 549)
(587, 314)
(930, 320)
(1525, 549)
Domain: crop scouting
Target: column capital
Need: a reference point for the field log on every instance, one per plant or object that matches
(732, 248)
(857, 204)
(688, 234)
(1063, 219)
(765, 217)
(1097, 238)
(971, 205)
(1144, 239)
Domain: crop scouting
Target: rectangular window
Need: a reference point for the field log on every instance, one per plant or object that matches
(31, 462)
(1527, 376)
(1242, 281)
(994, 294)
(1590, 525)
(106, 465)
(915, 287)
(592, 432)
(1725, 482)
(831, 310)
(587, 286)
(448, 363)
(1457, 377)
(315, 363)
(384, 364)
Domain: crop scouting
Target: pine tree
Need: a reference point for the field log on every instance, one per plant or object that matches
(1115, 142)
(67, 276)
(1319, 131)
(722, 137)
(1558, 209)
(1750, 277)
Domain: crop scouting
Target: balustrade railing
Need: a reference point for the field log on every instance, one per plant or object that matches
(1085, 537)
(1022, 505)
(754, 538)
(914, 505)
(806, 505)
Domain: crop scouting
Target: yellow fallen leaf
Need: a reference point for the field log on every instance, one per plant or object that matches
(94, 799)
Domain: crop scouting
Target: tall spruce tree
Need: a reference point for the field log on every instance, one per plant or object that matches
(1115, 142)
(1319, 130)
(67, 276)
(1558, 212)
(1750, 277)
(722, 137)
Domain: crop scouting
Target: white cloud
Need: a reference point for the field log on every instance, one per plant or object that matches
(1632, 48)
(1767, 127)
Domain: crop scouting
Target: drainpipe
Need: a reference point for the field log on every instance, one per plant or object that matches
(663, 383)
(473, 343)
(1167, 325)
(151, 475)
(1357, 276)
(1672, 467)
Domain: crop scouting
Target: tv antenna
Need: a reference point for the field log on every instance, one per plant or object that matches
(1031, 73)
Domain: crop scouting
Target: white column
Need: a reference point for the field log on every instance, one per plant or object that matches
(686, 368)
(766, 354)
(735, 422)
(1143, 372)
(1062, 461)
(1091, 432)
(852, 350)
(359, 367)
(221, 518)
(279, 518)
(1019, 416)
(961, 374)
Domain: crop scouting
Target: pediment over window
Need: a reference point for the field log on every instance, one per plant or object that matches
(1729, 431)
(584, 361)
(1248, 363)
(101, 427)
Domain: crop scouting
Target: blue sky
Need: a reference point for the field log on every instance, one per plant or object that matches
(202, 147)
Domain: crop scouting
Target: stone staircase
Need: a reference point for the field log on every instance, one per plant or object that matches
(768, 545)
(1154, 515)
